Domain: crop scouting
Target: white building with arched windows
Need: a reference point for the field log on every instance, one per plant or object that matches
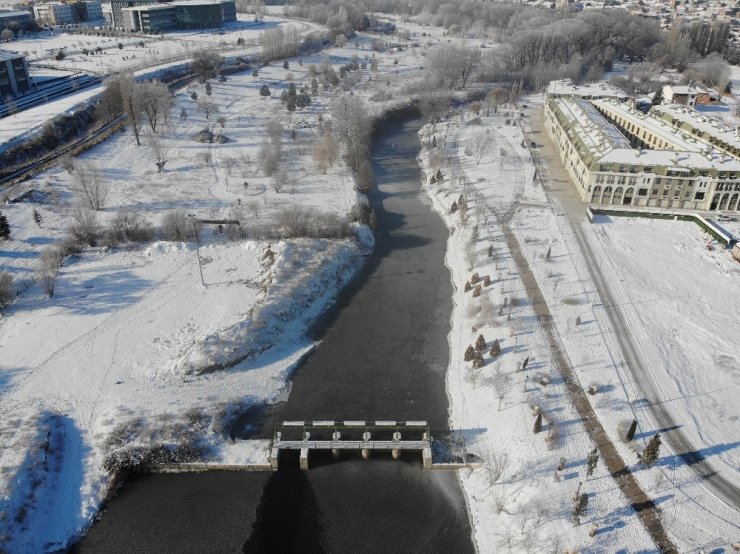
(669, 158)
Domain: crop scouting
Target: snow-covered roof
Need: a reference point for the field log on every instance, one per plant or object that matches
(729, 135)
(687, 89)
(594, 132)
(677, 140)
(148, 8)
(676, 161)
(565, 87)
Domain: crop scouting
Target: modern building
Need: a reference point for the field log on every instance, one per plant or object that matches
(54, 13)
(618, 155)
(64, 13)
(14, 18)
(89, 10)
(117, 7)
(195, 14)
(14, 78)
(151, 16)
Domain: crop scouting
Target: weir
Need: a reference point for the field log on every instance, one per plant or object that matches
(393, 436)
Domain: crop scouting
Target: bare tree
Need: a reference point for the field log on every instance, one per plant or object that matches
(206, 63)
(85, 228)
(496, 462)
(128, 89)
(89, 184)
(452, 66)
(155, 101)
(325, 151)
(207, 107)
(501, 383)
(159, 151)
(353, 128)
(479, 146)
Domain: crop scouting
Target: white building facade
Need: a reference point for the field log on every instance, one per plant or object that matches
(616, 155)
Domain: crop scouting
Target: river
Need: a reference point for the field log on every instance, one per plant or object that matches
(382, 356)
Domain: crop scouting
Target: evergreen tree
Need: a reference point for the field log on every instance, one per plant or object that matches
(469, 354)
(495, 348)
(631, 431)
(265, 91)
(286, 65)
(209, 89)
(652, 451)
(4, 227)
(579, 508)
(480, 344)
(657, 97)
(591, 461)
(314, 87)
(538, 423)
(303, 99)
(37, 217)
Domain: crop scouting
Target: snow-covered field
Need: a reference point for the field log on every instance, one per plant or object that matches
(129, 344)
(136, 52)
(529, 506)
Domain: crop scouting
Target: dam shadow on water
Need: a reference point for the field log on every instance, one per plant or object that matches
(383, 355)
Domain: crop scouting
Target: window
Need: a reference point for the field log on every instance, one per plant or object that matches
(642, 192)
(655, 191)
(699, 196)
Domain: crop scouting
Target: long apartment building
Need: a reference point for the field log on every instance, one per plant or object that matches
(618, 155)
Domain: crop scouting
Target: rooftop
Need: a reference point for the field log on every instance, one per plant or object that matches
(149, 8)
(727, 134)
(565, 87)
(677, 140)
(673, 160)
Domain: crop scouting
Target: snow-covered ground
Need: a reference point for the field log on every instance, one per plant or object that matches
(128, 346)
(118, 53)
(640, 256)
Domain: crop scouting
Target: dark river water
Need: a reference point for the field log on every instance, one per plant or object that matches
(382, 356)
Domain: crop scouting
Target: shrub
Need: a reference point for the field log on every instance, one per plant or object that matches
(85, 228)
(361, 213)
(178, 227)
(301, 222)
(364, 177)
(129, 226)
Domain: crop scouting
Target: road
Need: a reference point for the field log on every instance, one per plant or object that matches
(559, 185)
